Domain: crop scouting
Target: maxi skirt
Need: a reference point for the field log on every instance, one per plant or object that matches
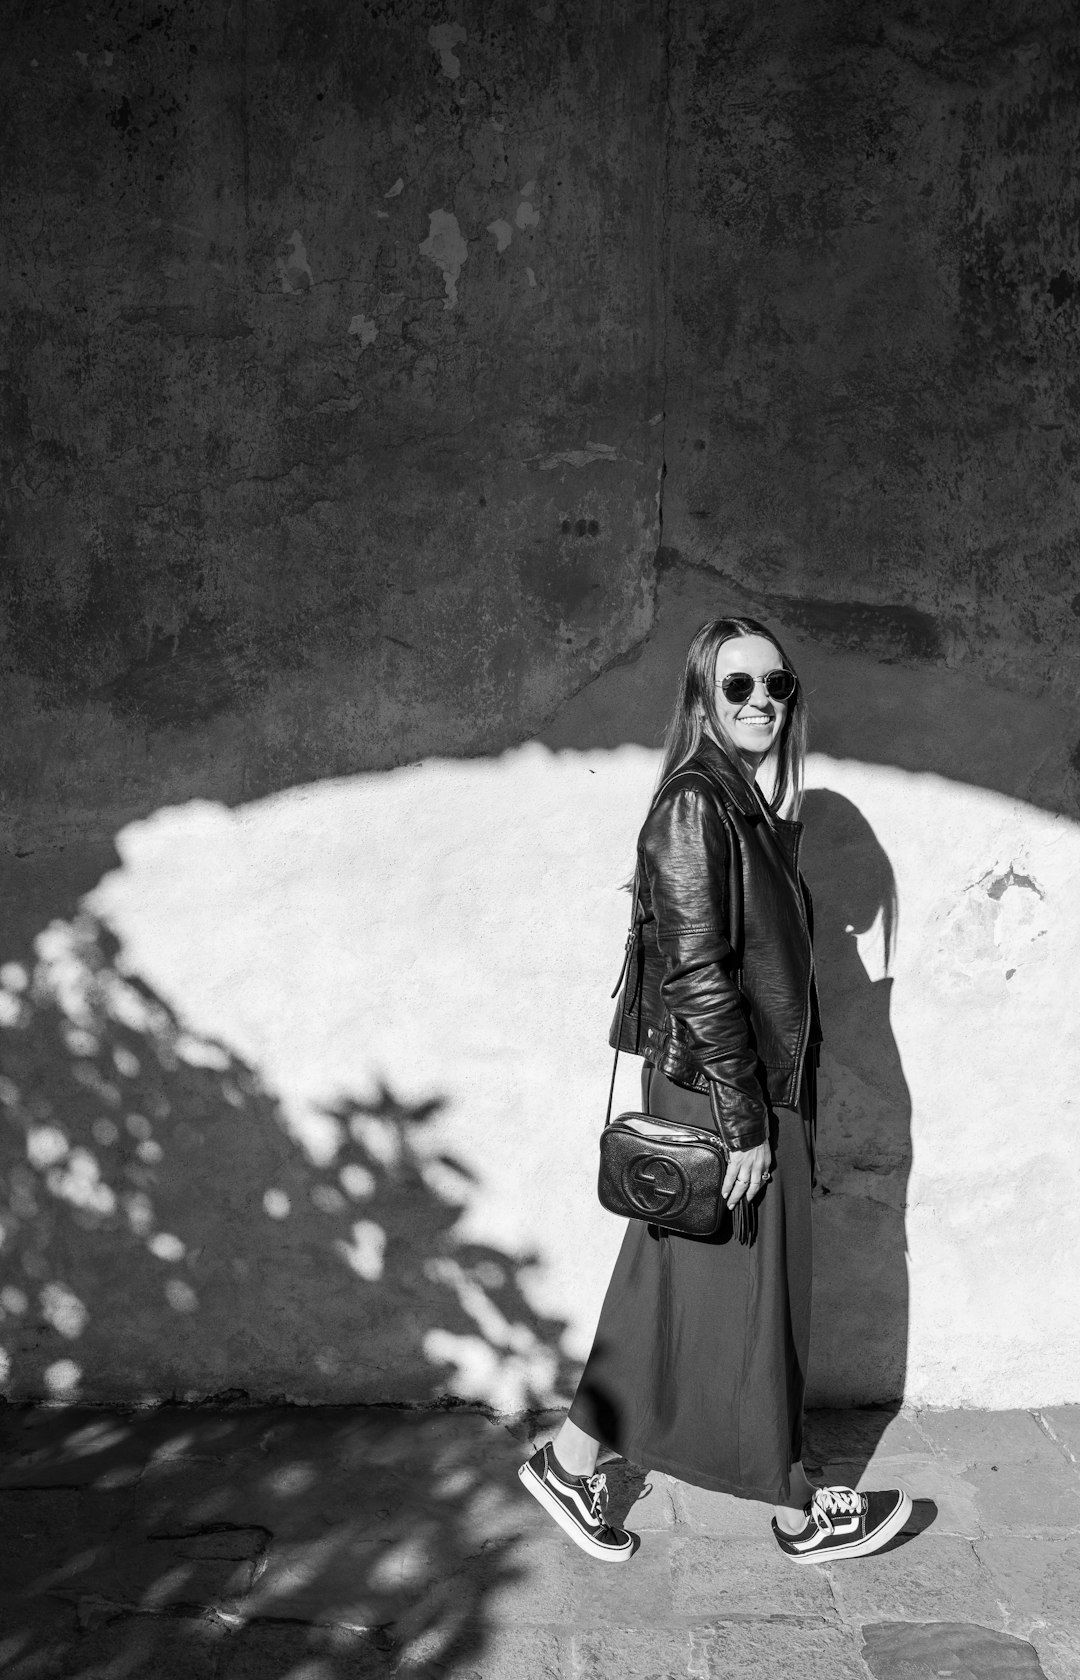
(698, 1367)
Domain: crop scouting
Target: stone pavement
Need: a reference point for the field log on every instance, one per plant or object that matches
(276, 1543)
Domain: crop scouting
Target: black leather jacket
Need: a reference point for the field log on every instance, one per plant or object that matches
(719, 991)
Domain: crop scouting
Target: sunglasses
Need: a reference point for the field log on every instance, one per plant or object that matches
(739, 685)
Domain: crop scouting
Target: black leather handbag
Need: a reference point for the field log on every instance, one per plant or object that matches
(668, 1174)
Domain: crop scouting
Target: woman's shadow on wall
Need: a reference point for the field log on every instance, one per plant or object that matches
(860, 1325)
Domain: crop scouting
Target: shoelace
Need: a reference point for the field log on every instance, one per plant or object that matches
(829, 1502)
(597, 1486)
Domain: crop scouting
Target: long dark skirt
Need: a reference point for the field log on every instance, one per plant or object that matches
(698, 1367)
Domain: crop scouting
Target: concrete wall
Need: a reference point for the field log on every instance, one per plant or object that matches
(396, 388)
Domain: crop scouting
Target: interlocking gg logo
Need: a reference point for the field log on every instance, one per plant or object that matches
(656, 1185)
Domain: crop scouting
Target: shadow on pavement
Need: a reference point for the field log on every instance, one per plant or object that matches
(158, 1207)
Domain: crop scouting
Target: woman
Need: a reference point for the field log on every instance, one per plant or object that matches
(699, 1363)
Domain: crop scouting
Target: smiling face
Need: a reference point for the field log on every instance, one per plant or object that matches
(753, 726)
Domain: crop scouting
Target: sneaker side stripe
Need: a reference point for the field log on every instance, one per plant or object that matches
(572, 1499)
(575, 1496)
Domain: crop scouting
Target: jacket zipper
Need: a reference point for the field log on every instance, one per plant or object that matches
(804, 1031)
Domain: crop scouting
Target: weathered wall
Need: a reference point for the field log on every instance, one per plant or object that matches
(386, 385)
(333, 352)
(874, 308)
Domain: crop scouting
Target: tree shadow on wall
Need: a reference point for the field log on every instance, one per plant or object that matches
(859, 1344)
(161, 1221)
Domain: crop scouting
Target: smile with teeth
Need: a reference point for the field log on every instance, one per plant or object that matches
(755, 719)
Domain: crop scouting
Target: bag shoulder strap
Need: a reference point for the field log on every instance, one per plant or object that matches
(636, 918)
(631, 939)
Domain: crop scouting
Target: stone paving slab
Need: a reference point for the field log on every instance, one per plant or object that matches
(857, 1435)
(715, 1513)
(1038, 1585)
(1025, 1498)
(899, 1651)
(752, 1651)
(55, 1536)
(745, 1578)
(1062, 1423)
(1038, 1580)
(718, 1651)
(969, 1437)
(1058, 1654)
(931, 1578)
(349, 1545)
(264, 1651)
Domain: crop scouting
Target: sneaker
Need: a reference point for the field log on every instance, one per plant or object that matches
(579, 1506)
(841, 1523)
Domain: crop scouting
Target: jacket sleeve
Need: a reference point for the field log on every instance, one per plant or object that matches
(685, 851)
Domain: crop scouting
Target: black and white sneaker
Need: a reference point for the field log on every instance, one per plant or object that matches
(579, 1506)
(841, 1523)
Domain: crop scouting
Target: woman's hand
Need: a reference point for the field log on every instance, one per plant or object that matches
(747, 1170)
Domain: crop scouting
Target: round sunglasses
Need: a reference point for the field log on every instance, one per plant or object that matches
(738, 686)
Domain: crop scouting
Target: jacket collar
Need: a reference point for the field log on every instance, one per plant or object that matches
(716, 761)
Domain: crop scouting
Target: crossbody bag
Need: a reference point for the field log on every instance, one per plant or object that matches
(662, 1171)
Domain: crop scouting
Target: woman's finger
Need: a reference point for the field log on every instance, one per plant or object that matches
(759, 1176)
(740, 1188)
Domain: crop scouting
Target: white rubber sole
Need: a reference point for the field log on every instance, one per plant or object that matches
(605, 1554)
(860, 1548)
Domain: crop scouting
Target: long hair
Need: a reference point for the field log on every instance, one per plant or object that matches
(695, 714)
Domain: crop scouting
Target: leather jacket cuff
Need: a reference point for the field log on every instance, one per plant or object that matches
(742, 1123)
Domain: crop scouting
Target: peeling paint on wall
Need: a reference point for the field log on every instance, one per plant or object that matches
(525, 216)
(364, 329)
(446, 247)
(1000, 884)
(503, 232)
(578, 457)
(396, 190)
(444, 37)
(991, 933)
(294, 270)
